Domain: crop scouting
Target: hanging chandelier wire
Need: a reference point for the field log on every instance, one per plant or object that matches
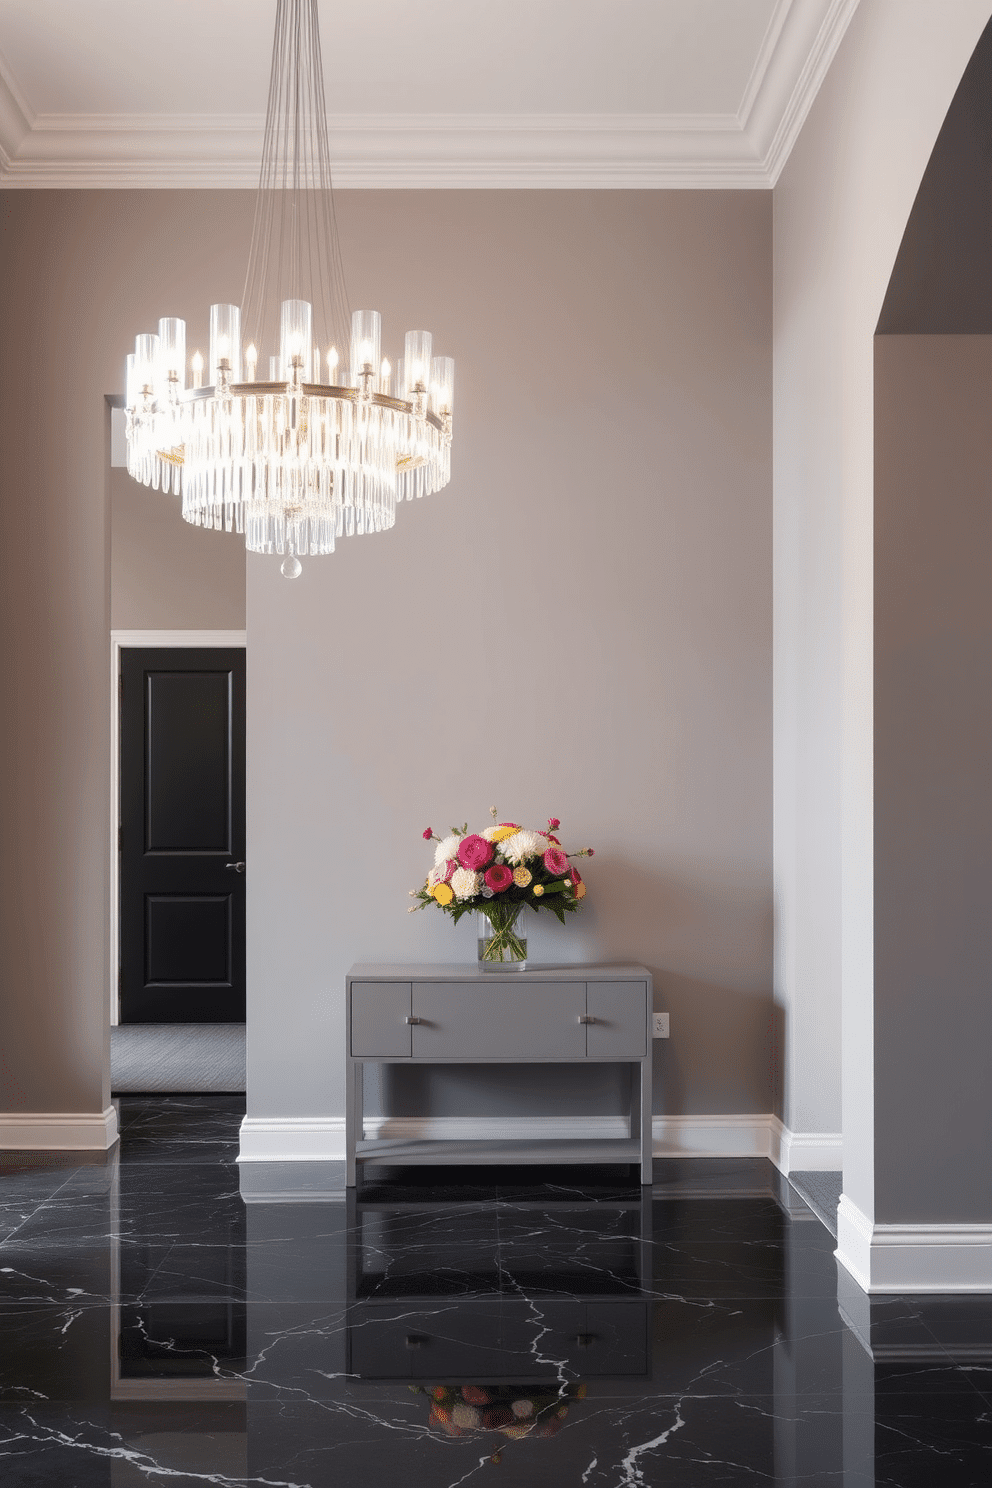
(326, 442)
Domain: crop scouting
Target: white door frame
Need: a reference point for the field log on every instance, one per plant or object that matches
(119, 639)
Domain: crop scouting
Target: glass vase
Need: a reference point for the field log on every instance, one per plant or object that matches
(502, 946)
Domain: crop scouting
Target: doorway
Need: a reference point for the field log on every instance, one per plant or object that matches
(180, 833)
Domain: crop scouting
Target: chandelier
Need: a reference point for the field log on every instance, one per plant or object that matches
(330, 436)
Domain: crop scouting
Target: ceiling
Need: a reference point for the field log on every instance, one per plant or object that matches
(441, 93)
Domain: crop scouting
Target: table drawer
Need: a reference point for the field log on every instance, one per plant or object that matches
(380, 1020)
(620, 1011)
(502, 1019)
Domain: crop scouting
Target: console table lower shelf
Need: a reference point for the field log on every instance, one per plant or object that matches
(454, 1015)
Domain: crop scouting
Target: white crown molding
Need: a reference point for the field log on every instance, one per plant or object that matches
(16, 118)
(746, 149)
(913, 1258)
(58, 1131)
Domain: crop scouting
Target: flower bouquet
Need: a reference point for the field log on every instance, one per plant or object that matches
(497, 872)
(511, 1411)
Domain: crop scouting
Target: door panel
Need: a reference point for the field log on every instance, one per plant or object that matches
(182, 907)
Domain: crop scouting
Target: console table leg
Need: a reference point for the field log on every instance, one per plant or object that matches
(647, 1161)
(351, 1175)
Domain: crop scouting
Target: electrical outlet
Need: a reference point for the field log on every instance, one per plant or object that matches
(660, 1029)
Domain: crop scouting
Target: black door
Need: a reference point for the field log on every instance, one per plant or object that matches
(182, 838)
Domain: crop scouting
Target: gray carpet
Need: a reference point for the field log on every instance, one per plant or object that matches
(177, 1058)
(822, 1193)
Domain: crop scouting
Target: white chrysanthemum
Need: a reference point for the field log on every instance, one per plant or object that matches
(523, 845)
(446, 848)
(489, 833)
(464, 883)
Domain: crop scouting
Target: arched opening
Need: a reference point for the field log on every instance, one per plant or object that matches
(933, 685)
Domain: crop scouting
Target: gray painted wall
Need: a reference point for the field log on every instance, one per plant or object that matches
(80, 273)
(579, 625)
(165, 574)
(933, 778)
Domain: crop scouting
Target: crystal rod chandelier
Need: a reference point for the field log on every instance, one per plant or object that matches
(328, 440)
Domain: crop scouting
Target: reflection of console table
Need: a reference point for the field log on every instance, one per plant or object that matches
(528, 1290)
(458, 1015)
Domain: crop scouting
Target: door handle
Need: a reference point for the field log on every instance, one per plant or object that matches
(235, 867)
(585, 1340)
(586, 1018)
(411, 1019)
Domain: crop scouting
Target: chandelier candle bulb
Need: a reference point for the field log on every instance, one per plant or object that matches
(332, 365)
(366, 334)
(417, 360)
(251, 361)
(146, 350)
(197, 367)
(442, 386)
(295, 334)
(172, 353)
(385, 373)
(225, 343)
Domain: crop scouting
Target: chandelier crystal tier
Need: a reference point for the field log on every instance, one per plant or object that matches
(321, 447)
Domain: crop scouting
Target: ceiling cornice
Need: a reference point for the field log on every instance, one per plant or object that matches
(453, 151)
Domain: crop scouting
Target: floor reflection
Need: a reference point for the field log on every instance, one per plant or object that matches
(432, 1330)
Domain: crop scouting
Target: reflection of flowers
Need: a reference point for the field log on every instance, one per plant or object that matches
(510, 1411)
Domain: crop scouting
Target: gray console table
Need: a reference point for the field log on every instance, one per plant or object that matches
(459, 1015)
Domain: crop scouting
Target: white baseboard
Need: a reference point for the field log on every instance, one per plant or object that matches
(292, 1139)
(298, 1138)
(710, 1136)
(58, 1131)
(913, 1258)
(798, 1152)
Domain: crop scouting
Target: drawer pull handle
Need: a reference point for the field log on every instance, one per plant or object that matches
(415, 1340)
(585, 1340)
(586, 1018)
(411, 1019)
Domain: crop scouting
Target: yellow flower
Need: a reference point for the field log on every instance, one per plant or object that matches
(538, 890)
(522, 876)
(442, 893)
(502, 833)
(580, 891)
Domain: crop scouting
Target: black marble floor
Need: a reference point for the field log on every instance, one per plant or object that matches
(537, 1328)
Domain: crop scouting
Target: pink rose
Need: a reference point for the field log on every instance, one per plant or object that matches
(428, 835)
(474, 852)
(498, 877)
(575, 874)
(553, 822)
(555, 861)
